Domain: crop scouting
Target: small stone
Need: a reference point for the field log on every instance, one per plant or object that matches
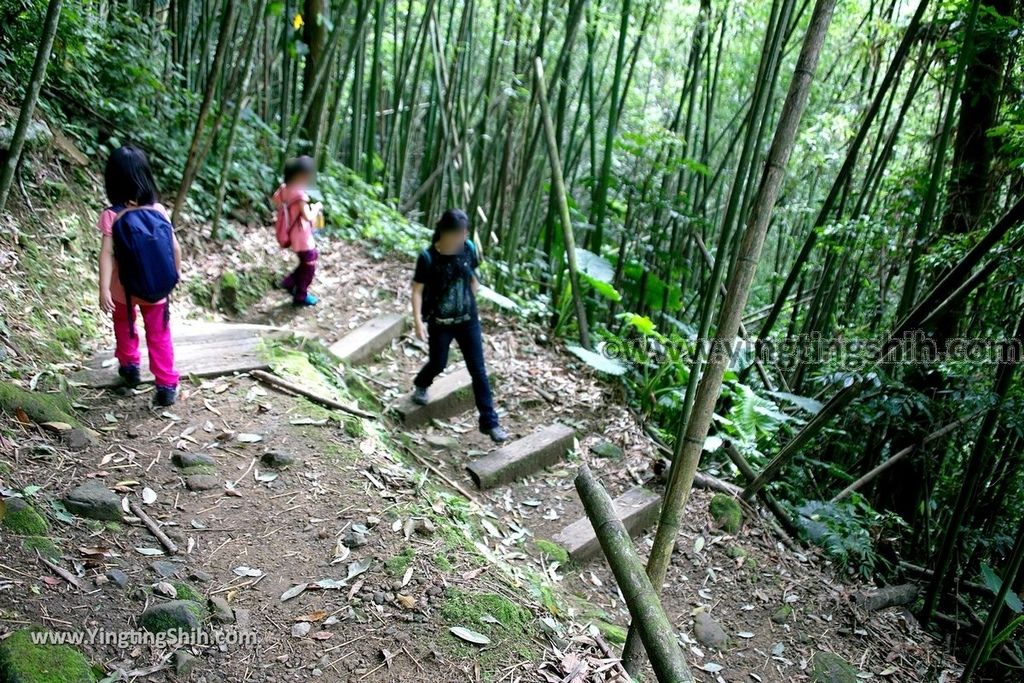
(435, 591)
(202, 482)
(606, 449)
(829, 668)
(277, 459)
(222, 612)
(783, 614)
(200, 576)
(300, 629)
(354, 539)
(100, 581)
(709, 632)
(165, 569)
(117, 577)
(184, 615)
(185, 460)
(379, 598)
(77, 439)
(317, 673)
(184, 664)
(93, 500)
(242, 618)
(165, 589)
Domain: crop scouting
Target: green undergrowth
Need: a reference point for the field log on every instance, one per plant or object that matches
(38, 406)
(397, 565)
(43, 545)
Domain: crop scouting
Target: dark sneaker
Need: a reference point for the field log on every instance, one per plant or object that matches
(130, 374)
(419, 396)
(165, 396)
(310, 300)
(498, 435)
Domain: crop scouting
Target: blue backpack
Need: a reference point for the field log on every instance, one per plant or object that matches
(144, 250)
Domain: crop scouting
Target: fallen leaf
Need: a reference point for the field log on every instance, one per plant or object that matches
(406, 601)
(148, 496)
(314, 617)
(469, 636)
(247, 571)
(293, 591)
(248, 438)
(149, 551)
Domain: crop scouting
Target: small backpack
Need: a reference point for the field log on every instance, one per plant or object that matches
(144, 250)
(285, 225)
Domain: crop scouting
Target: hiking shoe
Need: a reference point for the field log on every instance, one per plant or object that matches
(497, 434)
(165, 396)
(419, 396)
(131, 375)
(310, 300)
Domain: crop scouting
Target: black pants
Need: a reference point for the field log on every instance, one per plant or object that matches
(467, 336)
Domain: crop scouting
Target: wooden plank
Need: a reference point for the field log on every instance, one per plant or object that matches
(369, 339)
(449, 396)
(200, 349)
(522, 457)
(637, 508)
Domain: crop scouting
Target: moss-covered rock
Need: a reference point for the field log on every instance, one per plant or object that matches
(39, 407)
(175, 615)
(606, 449)
(611, 632)
(186, 592)
(829, 668)
(43, 545)
(726, 512)
(23, 661)
(783, 615)
(22, 519)
(553, 550)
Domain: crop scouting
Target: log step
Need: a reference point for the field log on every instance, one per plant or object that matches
(450, 395)
(369, 339)
(637, 508)
(522, 457)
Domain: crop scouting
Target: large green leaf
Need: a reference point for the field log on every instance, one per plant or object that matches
(809, 404)
(599, 362)
(601, 287)
(994, 583)
(500, 300)
(593, 266)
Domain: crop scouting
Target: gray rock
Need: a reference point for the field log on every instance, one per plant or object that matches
(77, 439)
(184, 460)
(184, 664)
(200, 576)
(277, 459)
(37, 136)
(93, 500)
(184, 615)
(165, 569)
(829, 668)
(222, 612)
(202, 482)
(354, 539)
(379, 598)
(118, 577)
(709, 632)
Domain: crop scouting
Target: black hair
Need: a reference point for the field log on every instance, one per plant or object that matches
(128, 177)
(450, 221)
(298, 166)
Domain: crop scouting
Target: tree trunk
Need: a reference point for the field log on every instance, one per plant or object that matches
(28, 105)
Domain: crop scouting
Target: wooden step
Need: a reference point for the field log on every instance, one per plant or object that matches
(450, 395)
(369, 339)
(637, 508)
(522, 457)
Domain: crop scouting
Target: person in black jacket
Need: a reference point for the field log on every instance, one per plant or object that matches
(444, 297)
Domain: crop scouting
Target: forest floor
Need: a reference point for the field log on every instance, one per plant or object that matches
(399, 556)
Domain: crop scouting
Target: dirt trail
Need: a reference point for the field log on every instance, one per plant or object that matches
(401, 560)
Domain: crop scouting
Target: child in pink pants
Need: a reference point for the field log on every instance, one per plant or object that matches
(129, 183)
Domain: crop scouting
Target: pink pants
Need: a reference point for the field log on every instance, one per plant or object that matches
(158, 341)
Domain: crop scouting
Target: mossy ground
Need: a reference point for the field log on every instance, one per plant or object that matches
(22, 661)
(397, 565)
(187, 592)
(553, 550)
(510, 638)
(45, 546)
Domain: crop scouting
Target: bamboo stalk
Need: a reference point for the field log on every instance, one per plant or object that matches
(154, 528)
(279, 383)
(563, 205)
(649, 616)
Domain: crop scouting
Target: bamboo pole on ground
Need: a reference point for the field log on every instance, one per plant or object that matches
(649, 616)
(563, 205)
